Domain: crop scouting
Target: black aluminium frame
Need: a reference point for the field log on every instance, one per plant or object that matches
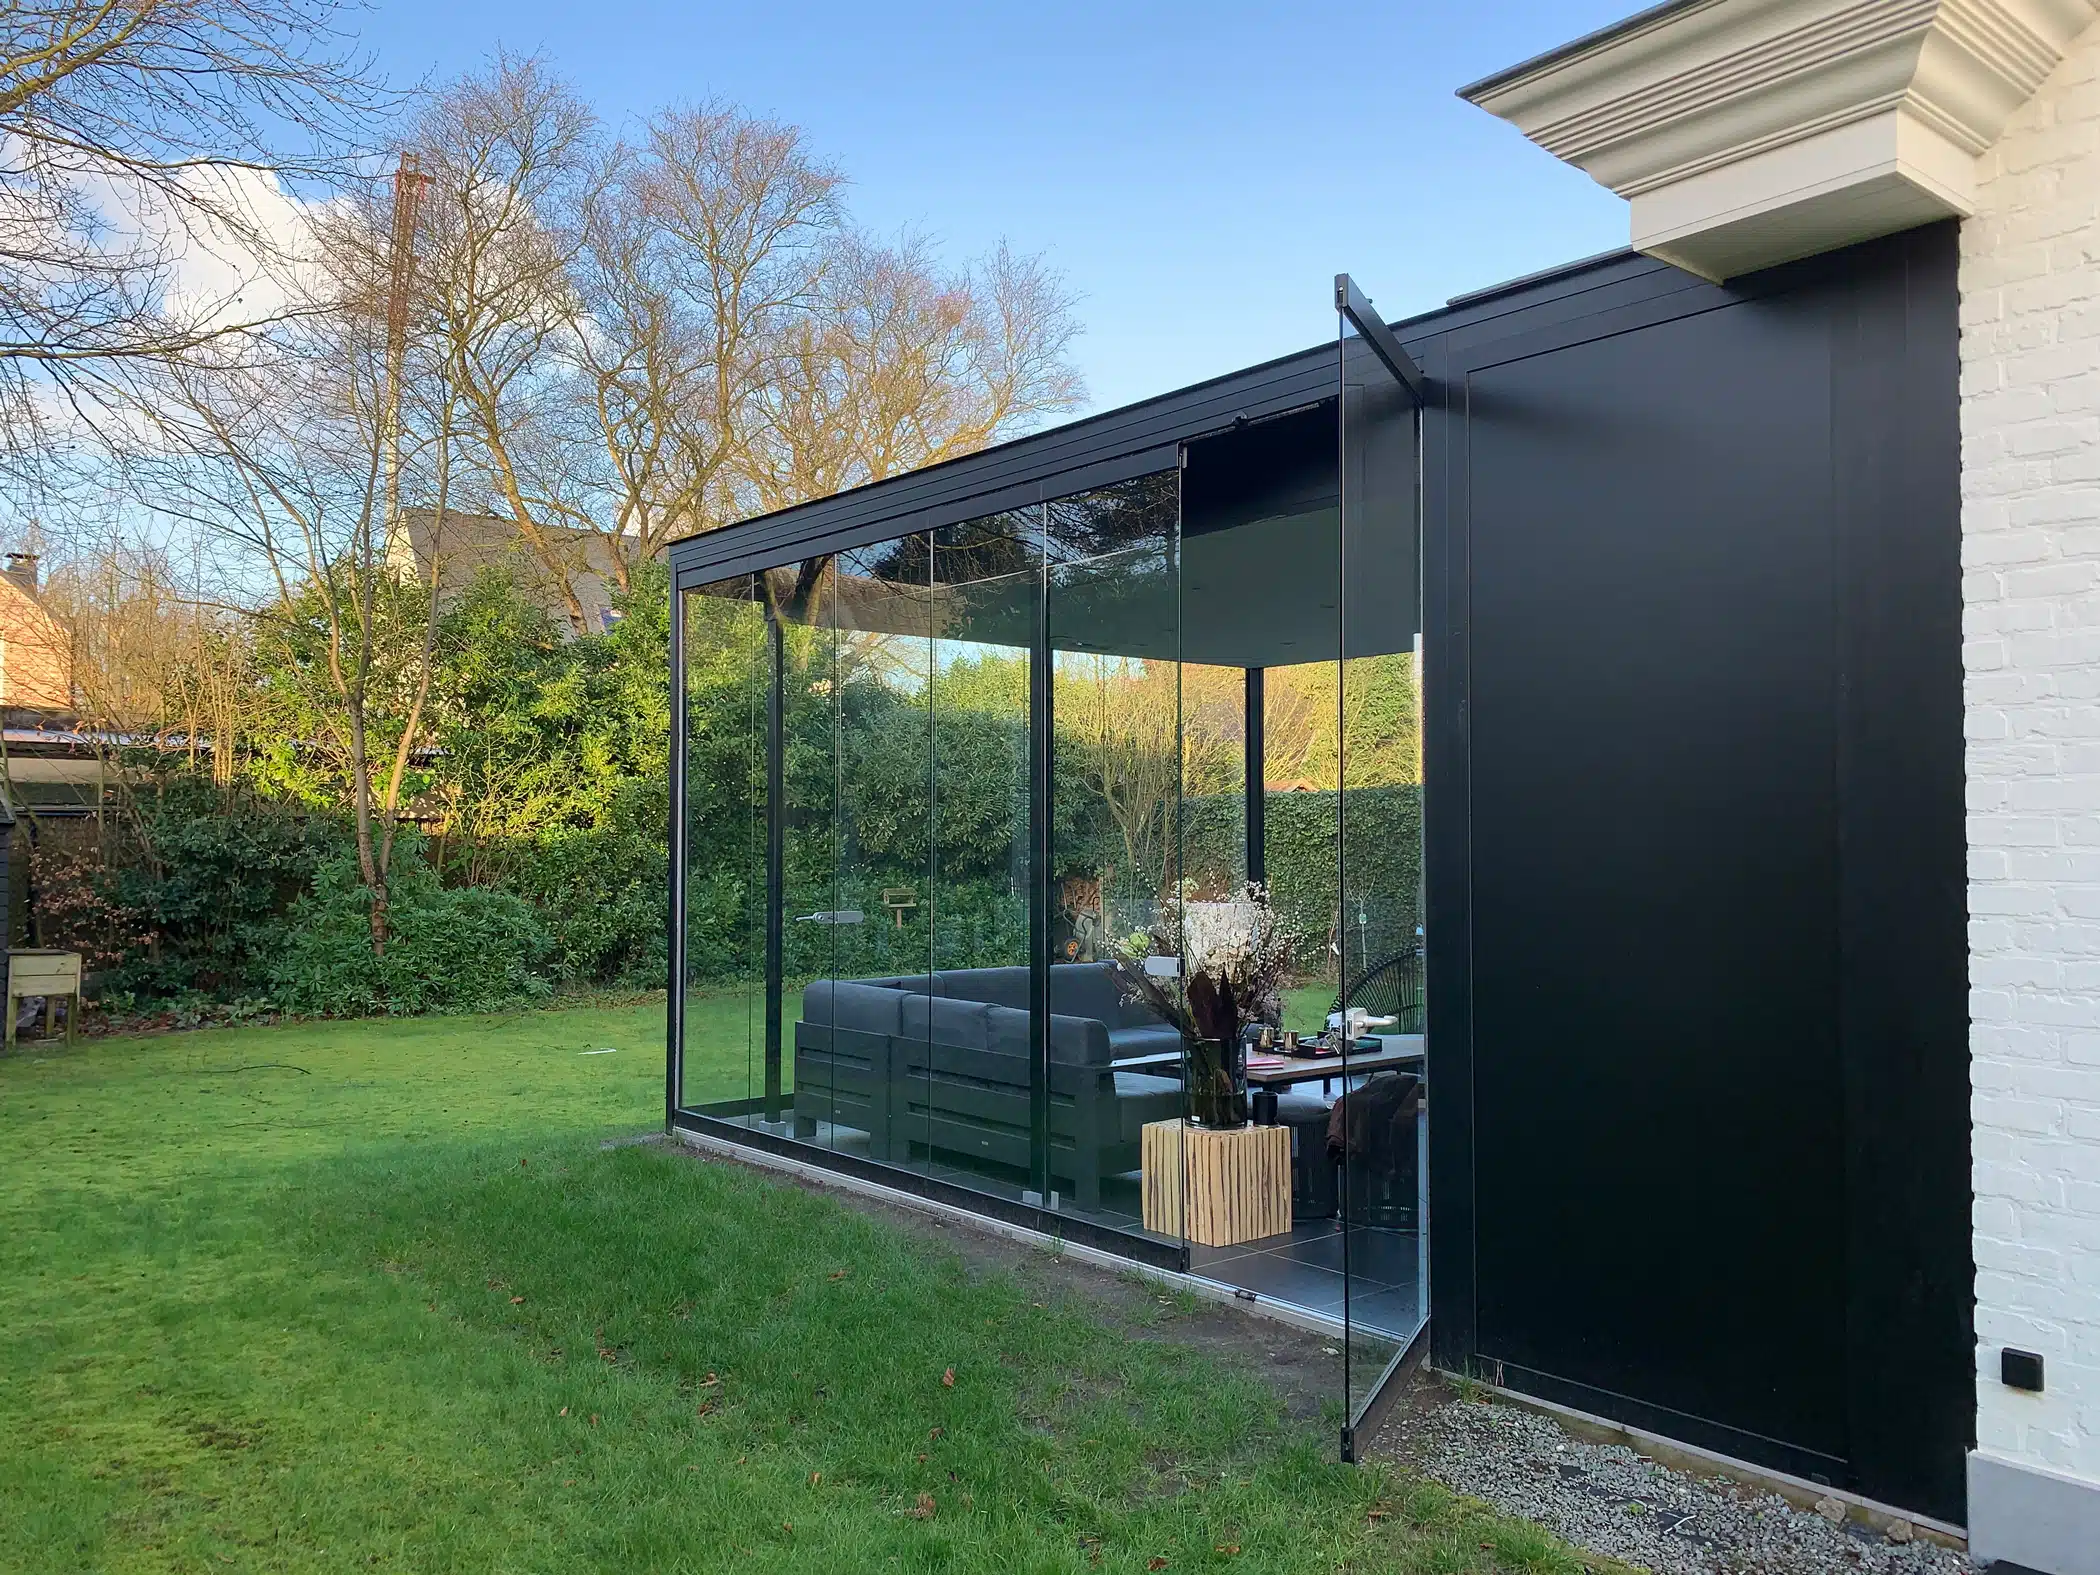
(1888, 378)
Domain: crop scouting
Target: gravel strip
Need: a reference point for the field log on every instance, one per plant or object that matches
(1609, 1499)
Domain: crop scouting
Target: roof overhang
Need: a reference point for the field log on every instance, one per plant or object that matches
(1747, 133)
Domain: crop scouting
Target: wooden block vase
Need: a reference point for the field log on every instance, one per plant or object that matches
(1238, 1182)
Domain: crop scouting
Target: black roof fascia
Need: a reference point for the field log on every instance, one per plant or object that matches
(1114, 445)
(1473, 91)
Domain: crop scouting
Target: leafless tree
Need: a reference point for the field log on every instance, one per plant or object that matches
(900, 363)
(705, 246)
(137, 136)
(283, 463)
(511, 154)
(658, 337)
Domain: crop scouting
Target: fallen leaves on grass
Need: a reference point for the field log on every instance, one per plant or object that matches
(1155, 1563)
(1227, 1548)
(710, 1381)
(948, 1379)
(923, 1509)
(815, 1477)
(517, 1301)
(840, 1274)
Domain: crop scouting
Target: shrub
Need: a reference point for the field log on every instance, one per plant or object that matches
(468, 949)
(603, 890)
(74, 908)
(224, 869)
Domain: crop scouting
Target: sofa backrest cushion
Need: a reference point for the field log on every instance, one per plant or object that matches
(871, 1008)
(941, 1021)
(1093, 990)
(999, 986)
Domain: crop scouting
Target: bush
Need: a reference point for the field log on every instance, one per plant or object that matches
(450, 950)
(225, 869)
(603, 891)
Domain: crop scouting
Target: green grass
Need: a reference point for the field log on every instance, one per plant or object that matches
(357, 1296)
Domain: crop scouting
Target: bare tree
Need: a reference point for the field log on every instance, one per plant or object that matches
(901, 364)
(657, 338)
(510, 154)
(1122, 716)
(285, 464)
(704, 246)
(133, 137)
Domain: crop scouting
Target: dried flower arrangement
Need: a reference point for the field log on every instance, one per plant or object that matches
(1234, 956)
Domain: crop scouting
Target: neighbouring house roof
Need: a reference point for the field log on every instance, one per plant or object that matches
(1746, 133)
(36, 658)
(468, 543)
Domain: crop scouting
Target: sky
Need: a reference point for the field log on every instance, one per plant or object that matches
(1199, 173)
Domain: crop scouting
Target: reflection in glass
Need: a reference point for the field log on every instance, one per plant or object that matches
(723, 956)
(882, 920)
(963, 1076)
(969, 763)
(1113, 611)
(1378, 943)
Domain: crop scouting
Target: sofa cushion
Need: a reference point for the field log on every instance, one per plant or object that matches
(1086, 990)
(999, 986)
(1006, 1031)
(869, 1008)
(1079, 1041)
(939, 1020)
(1141, 1099)
(1152, 1039)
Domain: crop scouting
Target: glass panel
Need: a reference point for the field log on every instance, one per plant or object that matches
(1378, 936)
(883, 1005)
(723, 687)
(971, 1097)
(802, 670)
(1113, 1064)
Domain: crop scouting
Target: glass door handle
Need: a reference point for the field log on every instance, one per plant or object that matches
(833, 916)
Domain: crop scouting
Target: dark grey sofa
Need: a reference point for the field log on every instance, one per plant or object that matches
(941, 1061)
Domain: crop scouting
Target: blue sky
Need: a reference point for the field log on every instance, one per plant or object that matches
(1199, 172)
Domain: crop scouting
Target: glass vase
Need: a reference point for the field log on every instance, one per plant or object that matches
(1218, 1083)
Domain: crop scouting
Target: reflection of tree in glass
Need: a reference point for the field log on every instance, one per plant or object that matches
(1303, 712)
(1120, 717)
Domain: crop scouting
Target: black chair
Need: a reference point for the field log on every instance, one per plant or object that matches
(1372, 1135)
(1392, 989)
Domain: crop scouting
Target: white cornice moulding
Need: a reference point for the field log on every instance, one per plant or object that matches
(1750, 132)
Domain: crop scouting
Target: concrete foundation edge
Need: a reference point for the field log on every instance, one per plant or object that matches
(2034, 1519)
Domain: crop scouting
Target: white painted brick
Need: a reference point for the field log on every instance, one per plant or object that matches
(2030, 380)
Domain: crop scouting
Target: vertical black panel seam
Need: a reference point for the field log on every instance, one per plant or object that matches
(1844, 354)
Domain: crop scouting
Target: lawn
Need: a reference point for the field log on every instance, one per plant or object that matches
(378, 1295)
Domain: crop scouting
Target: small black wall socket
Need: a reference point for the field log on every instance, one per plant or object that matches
(2020, 1370)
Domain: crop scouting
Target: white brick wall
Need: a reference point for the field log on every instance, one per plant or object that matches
(2030, 312)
